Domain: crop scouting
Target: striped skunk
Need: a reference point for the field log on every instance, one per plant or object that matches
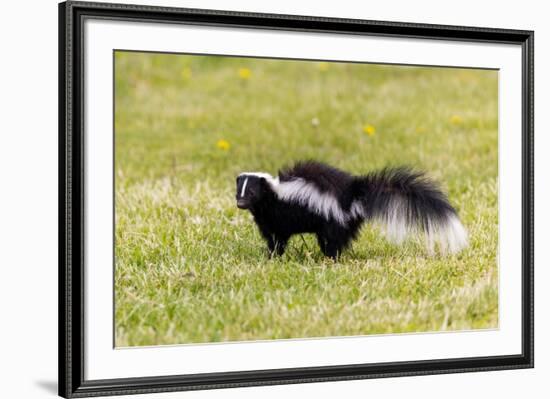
(312, 197)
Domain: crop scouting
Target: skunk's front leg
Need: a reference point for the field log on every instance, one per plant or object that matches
(276, 244)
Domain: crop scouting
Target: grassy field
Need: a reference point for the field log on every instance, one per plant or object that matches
(191, 267)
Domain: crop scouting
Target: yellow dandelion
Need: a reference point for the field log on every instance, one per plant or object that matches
(369, 130)
(455, 120)
(186, 73)
(323, 66)
(244, 73)
(223, 144)
(420, 129)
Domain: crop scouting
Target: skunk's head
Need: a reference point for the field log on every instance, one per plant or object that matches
(251, 188)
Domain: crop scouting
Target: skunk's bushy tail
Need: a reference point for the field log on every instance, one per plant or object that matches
(407, 202)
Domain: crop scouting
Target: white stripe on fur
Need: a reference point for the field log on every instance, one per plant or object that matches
(357, 210)
(273, 181)
(244, 187)
(306, 194)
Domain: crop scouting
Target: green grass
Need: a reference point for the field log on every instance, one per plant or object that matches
(191, 267)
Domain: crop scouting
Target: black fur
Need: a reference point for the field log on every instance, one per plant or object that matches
(425, 206)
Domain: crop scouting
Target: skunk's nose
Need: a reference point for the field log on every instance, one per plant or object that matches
(242, 204)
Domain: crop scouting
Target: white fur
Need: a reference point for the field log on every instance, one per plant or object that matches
(450, 235)
(396, 223)
(307, 194)
(454, 234)
(357, 210)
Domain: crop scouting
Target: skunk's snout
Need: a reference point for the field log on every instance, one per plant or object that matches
(242, 203)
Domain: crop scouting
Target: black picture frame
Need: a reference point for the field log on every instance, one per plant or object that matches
(71, 200)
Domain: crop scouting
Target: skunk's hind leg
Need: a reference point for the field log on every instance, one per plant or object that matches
(333, 240)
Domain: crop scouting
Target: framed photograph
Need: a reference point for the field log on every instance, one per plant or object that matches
(253, 199)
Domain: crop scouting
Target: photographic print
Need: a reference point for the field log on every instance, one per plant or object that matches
(269, 199)
(254, 199)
